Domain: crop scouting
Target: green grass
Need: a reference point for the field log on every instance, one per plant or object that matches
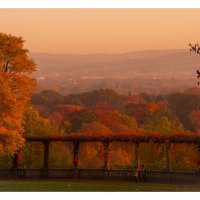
(90, 185)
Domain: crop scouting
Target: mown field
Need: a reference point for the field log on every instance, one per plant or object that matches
(91, 185)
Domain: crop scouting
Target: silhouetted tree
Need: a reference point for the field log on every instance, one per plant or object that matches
(195, 48)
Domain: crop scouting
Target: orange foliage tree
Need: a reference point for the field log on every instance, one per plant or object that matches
(141, 111)
(15, 88)
(116, 121)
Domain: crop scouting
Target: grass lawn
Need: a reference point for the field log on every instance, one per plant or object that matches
(90, 185)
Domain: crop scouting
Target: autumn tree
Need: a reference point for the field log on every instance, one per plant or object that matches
(116, 121)
(49, 98)
(182, 105)
(67, 116)
(164, 125)
(80, 118)
(34, 124)
(141, 111)
(95, 97)
(195, 119)
(16, 86)
(162, 119)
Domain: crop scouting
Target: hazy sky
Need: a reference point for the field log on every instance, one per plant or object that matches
(83, 31)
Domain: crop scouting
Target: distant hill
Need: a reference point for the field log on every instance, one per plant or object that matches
(151, 64)
(193, 91)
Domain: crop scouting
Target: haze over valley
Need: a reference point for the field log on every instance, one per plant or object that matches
(157, 71)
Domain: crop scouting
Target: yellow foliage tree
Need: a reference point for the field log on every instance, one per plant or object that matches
(16, 86)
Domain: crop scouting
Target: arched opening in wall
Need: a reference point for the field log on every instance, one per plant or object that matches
(60, 155)
(152, 156)
(90, 155)
(32, 155)
(184, 157)
(121, 155)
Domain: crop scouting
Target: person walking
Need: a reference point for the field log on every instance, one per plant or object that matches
(136, 174)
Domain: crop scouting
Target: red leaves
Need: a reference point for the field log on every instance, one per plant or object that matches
(152, 107)
(112, 118)
(66, 109)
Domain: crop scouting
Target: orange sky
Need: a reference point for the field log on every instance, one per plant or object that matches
(83, 31)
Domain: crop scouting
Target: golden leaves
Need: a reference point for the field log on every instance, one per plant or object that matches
(15, 89)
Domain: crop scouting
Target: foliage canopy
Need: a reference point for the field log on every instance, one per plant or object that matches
(16, 86)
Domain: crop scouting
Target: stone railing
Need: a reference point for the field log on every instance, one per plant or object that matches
(151, 176)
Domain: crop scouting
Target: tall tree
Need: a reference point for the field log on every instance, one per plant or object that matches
(16, 86)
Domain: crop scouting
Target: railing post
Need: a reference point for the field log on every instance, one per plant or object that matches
(46, 159)
(76, 158)
(106, 153)
(168, 162)
(136, 154)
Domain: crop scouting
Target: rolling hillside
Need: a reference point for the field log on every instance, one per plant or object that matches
(59, 69)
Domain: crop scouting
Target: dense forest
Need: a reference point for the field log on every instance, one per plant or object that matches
(105, 112)
(74, 112)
